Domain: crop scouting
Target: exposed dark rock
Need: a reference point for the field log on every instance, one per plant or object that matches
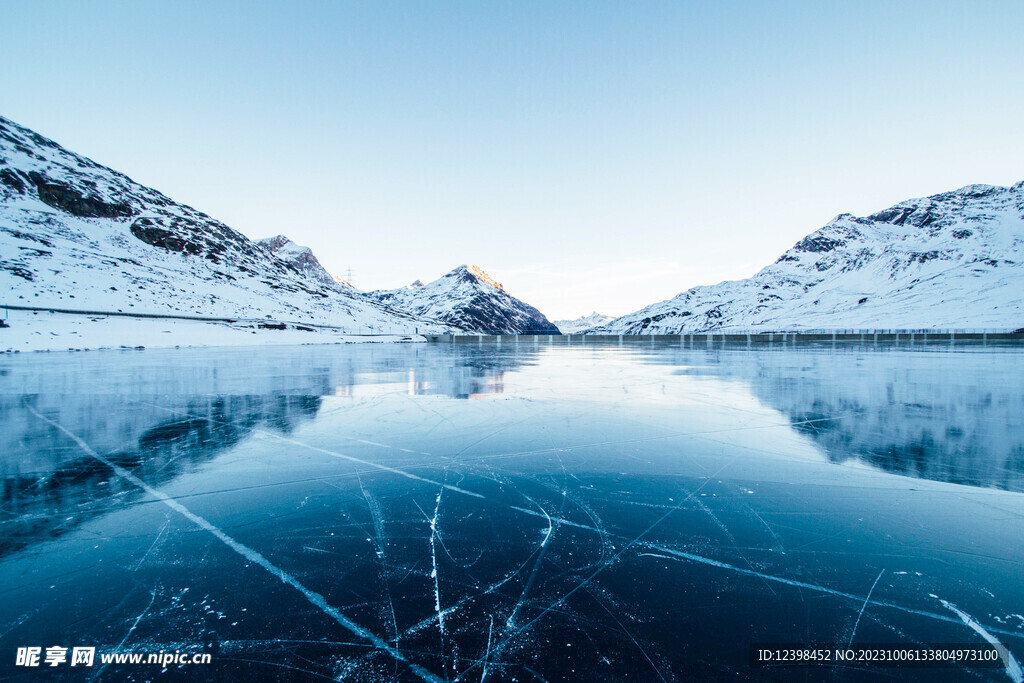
(918, 216)
(895, 215)
(10, 178)
(27, 237)
(818, 244)
(15, 269)
(66, 198)
(150, 232)
(925, 219)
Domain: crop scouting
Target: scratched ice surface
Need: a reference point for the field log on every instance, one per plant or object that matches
(532, 512)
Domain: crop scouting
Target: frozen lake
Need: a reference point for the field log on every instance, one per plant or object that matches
(531, 512)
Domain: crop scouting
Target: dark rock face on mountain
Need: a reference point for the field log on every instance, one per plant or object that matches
(952, 260)
(75, 234)
(468, 298)
(67, 198)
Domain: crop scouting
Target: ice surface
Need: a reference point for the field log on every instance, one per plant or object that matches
(528, 512)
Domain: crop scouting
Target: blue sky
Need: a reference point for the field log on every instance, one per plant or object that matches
(589, 155)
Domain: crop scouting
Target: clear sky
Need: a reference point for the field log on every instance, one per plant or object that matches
(589, 155)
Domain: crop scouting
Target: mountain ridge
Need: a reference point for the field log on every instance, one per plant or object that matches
(73, 229)
(583, 323)
(949, 260)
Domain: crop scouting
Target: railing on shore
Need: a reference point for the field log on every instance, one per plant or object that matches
(897, 336)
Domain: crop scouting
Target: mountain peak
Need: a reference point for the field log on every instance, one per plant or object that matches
(282, 246)
(471, 299)
(469, 273)
(300, 258)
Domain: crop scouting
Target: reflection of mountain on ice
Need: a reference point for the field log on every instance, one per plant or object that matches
(235, 384)
(927, 414)
(50, 486)
(187, 408)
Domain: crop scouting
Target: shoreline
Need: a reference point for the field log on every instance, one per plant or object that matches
(42, 331)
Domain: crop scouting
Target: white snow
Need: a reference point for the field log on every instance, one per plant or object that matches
(469, 298)
(952, 260)
(44, 331)
(50, 258)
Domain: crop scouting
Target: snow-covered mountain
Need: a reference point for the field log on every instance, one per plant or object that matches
(582, 324)
(952, 260)
(304, 261)
(469, 298)
(77, 235)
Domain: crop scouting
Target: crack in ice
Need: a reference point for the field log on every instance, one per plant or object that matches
(245, 551)
(1010, 662)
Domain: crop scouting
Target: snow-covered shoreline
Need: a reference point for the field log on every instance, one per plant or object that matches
(47, 331)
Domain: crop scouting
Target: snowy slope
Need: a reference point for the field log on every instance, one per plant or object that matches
(470, 298)
(952, 260)
(583, 323)
(77, 235)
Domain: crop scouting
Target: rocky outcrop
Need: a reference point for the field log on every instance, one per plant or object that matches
(67, 198)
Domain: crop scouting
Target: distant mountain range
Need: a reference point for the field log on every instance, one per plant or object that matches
(78, 235)
(582, 324)
(952, 260)
(469, 298)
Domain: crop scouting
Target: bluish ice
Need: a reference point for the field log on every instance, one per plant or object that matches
(526, 511)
